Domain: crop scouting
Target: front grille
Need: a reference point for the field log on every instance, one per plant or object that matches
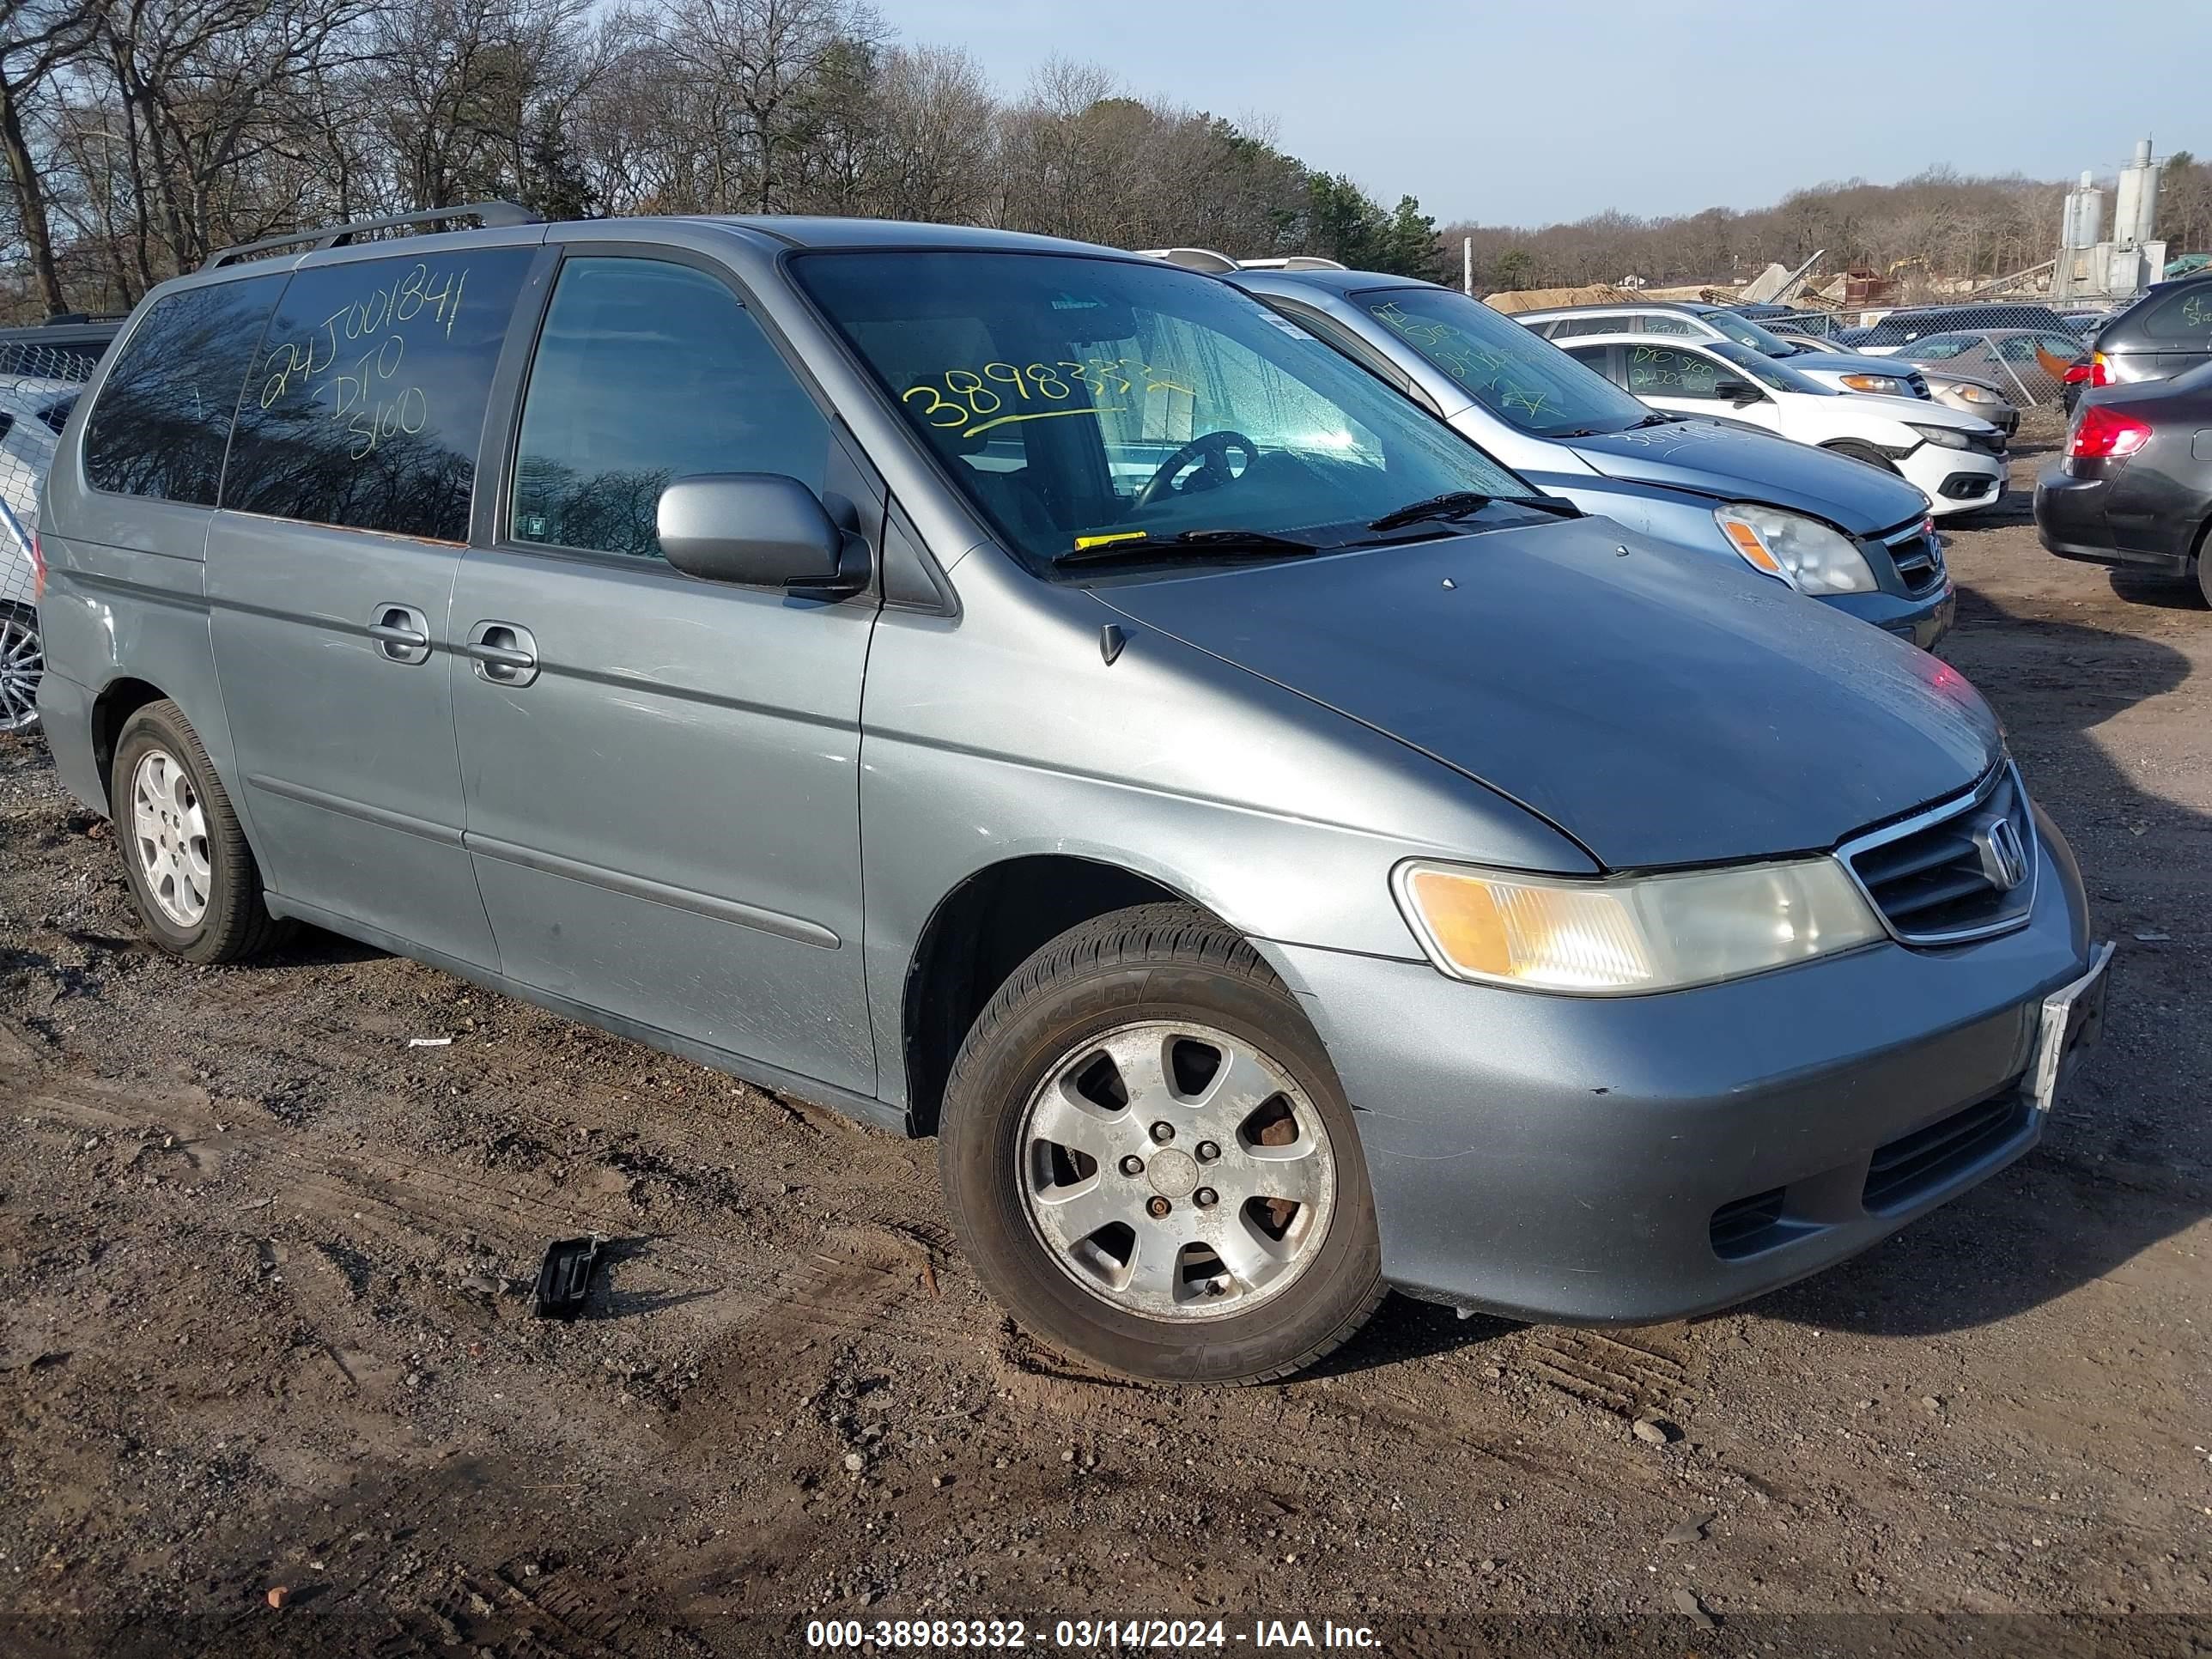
(1919, 561)
(1964, 871)
(1992, 444)
(1918, 385)
(1912, 1166)
(1742, 1228)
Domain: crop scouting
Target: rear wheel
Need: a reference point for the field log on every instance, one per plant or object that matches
(198, 888)
(23, 664)
(1149, 1158)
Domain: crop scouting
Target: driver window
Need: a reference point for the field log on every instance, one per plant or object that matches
(1661, 372)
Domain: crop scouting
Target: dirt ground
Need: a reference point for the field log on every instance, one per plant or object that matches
(265, 1321)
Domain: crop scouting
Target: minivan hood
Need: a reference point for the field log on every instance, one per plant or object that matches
(1657, 705)
(1730, 464)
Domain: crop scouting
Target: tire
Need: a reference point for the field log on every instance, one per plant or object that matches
(2202, 563)
(1165, 986)
(1867, 453)
(22, 664)
(200, 899)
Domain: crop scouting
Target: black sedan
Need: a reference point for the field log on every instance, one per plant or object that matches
(2135, 486)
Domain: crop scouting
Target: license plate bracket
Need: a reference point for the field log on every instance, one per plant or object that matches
(2073, 1021)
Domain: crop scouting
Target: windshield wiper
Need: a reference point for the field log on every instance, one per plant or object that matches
(1465, 504)
(1230, 543)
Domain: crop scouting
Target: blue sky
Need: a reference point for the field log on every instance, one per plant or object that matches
(1534, 113)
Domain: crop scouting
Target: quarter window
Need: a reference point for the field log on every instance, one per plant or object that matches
(366, 405)
(163, 417)
(1658, 323)
(2183, 316)
(648, 371)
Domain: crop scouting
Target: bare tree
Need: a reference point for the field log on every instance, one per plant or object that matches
(37, 37)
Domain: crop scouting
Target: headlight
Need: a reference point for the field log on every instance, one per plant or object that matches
(1978, 394)
(1948, 437)
(1804, 552)
(1626, 936)
(1888, 385)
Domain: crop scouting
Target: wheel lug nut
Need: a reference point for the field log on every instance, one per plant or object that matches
(1156, 1208)
(1205, 1198)
(1207, 1152)
(1164, 1133)
(1133, 1165)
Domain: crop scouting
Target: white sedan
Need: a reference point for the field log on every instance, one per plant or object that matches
(1957, 460)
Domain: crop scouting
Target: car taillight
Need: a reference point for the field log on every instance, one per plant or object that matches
(2097, 374)
(2078, 374)
(2106, 433)
(37, 570)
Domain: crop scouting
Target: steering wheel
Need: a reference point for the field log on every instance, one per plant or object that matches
(1212, 449)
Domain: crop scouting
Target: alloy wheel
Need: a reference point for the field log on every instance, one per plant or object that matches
(169, 837)
(1175, 1171)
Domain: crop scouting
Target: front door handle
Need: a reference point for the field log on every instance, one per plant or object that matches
(402, 634)
(501, 653)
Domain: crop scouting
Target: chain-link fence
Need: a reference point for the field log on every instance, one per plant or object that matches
(2021, 351)
(38, 386)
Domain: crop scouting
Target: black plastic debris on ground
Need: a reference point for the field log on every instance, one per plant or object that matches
(566, 1278)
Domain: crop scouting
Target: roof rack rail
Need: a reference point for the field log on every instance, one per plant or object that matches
(492, 213)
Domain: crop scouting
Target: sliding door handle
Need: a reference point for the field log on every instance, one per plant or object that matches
(501, 653)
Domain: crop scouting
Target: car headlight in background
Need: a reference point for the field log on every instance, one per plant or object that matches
(1888, 385)
(1632, 935)
(1978, 394)
(1949, 437)
(1811, 556)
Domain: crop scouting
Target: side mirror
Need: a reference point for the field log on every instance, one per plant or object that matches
(1738, 392)
(758, 529)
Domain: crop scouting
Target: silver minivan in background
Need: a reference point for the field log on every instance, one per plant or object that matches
(1030, 695)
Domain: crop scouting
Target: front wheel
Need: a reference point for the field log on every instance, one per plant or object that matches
(1148, 1157)
(1867, 453)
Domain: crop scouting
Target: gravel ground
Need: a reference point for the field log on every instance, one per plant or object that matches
(265, 1322)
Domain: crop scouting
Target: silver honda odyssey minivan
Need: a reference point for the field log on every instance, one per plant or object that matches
(1037, 697)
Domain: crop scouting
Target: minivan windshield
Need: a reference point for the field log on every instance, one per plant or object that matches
(1085, 403)
(1513, 373)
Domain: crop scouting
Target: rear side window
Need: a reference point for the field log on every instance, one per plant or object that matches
(646, 371)
(366, 405)
(1568, 327)
(1657, 322)
(1657, 372)
(163, 416)
(2185, 317)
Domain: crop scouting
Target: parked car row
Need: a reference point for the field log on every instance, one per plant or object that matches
(42, 371)
(1817, 522)
(1068, 705)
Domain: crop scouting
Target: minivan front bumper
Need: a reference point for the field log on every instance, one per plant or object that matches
(1628, 1160)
